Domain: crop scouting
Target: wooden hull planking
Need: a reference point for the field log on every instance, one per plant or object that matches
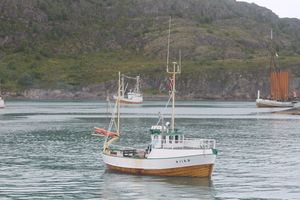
(190, 171)
(200, 165)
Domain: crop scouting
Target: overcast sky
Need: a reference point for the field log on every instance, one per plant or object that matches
(283, 8)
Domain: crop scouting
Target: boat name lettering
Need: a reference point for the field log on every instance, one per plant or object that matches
(183, 161)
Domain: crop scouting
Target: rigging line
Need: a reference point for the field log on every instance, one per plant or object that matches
(163, 112)
(112, 121)
(113, 116)
(125, 88)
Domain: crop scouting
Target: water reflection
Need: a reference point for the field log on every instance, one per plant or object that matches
(123, 186)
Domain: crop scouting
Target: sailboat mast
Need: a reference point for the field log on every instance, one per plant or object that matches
(273, 72)
(273, 54)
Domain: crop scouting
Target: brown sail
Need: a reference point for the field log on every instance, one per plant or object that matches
(279, 85)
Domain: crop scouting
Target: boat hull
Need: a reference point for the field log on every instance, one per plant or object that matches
(186, 166)
(266, 103)
(190, 171)
(129, 101)
(124, 100)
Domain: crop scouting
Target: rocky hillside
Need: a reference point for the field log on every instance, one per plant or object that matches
(73, 48)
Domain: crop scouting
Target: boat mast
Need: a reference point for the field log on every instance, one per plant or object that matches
(137, 84)
(122, 85)
(169, 35)
(273, 64)
(109, 139)
(118, 103)
(176, 70)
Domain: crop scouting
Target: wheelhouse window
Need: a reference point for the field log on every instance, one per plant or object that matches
(164, 139)
(176, 138)
(170, 139)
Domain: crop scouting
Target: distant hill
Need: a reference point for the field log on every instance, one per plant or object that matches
(77, 46)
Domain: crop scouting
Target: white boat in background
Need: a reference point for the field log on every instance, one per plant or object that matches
(170, 152)
(264, 103)
(2, 105)
(133, 96)
(279, 86)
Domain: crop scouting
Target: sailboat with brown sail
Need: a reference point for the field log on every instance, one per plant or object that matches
(279, 85)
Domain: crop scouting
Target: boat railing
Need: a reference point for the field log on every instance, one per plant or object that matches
(187, 143)
(202, 143)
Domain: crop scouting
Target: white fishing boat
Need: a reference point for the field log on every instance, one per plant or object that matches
(133, 96)
(170, 152)
(2, 105)
(279, 86)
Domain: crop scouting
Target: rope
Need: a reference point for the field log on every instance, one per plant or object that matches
(160, 116)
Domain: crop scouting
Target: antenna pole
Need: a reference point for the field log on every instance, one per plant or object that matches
(138, 84)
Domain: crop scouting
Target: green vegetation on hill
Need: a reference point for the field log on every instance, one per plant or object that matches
(70, 44)
(19, 71)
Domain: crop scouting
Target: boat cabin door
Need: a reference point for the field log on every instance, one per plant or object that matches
(156, 141)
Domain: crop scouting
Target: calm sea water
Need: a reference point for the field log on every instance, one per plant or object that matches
(47, 152)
